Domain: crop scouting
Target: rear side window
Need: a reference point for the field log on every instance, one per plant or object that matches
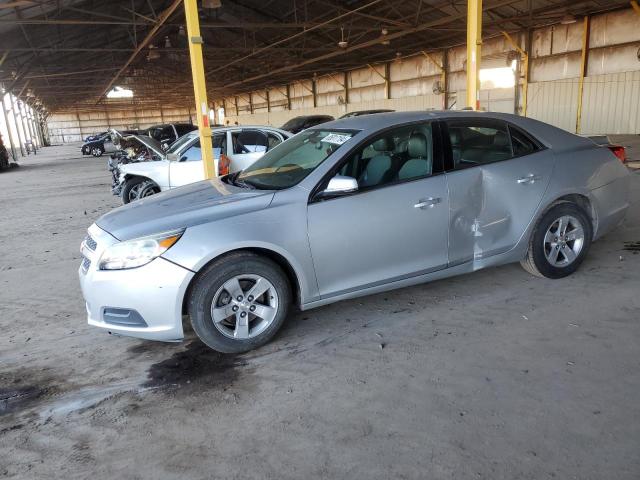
(478, 142)
(273, 140)
(194, 153)
(522, 144)
(249, 141)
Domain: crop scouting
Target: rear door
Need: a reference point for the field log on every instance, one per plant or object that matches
(497, 175)
(247, 146)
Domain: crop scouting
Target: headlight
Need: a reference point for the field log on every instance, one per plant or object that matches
(137, 252)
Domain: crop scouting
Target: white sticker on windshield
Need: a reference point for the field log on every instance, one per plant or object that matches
(336, 138)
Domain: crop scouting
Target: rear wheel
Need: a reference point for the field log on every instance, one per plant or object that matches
(239, 302)
(138, 187)
(559, 242)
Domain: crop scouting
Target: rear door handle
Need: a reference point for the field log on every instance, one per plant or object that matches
(427, 202)
(531, 178)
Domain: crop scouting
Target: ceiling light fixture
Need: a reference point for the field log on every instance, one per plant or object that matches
(342, 43)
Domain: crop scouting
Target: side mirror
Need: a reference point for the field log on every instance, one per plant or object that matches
(173, 157)
(340, 185)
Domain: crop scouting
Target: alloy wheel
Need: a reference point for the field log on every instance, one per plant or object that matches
(563, 241)
(244, 306)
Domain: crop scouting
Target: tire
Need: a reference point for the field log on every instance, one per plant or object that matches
(210, 293)
(130, 189)
(553, 254)
(97, 151)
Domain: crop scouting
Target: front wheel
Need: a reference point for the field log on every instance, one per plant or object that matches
(559, 242)
(138, 187)
(239, 302)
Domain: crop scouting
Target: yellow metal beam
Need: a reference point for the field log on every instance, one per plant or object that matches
(635, 6)
(583, 71)
(199, 86)
(525, 63)
(474, 43)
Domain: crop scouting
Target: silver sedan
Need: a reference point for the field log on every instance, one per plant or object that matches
(345, 209)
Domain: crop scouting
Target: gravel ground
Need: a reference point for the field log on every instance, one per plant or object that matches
(495, 375)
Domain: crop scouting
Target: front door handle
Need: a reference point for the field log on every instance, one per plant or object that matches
(427, 202)
(529, 179)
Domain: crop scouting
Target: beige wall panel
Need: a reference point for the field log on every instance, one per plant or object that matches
(613, 28)
(612, 104)
(555, 68)
(614, 59)
(554, 102)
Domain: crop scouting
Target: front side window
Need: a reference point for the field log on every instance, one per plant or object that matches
(478, 142)
(291, 161)
(400, 154)
(194, 152)
(273, 140)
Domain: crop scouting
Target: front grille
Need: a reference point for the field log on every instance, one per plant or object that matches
(90, 243)
(86, 263)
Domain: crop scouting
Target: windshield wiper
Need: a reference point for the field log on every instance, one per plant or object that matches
(234, 180)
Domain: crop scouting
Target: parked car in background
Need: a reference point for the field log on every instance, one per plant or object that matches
(298, 124)
(234, 148)
(350, 208)
(364, 112)
(95, 136)
(99, 146)
(169, 133)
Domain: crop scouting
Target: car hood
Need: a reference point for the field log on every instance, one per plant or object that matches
(184, 207)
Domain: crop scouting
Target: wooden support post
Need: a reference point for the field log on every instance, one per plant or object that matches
(268, 101)
(584, 63)
(445, 79)
(474, 53)
(346, 88)
(288, 97)
(314, 92)
(251, 103)
(387, 80)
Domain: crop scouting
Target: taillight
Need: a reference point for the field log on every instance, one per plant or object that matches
(619, 152)
(223, 165)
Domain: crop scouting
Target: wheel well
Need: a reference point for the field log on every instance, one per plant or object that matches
(583, 202)
(278, 259)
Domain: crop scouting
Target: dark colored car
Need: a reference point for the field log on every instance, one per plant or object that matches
(298, 124)
(169, 133)
(365, 112)
(96, 136)
(96, 147)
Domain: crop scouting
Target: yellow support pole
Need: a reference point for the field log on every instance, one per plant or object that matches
(583, 71)
(525, 63)
(635, 6)
(199, 86)
(474, 43)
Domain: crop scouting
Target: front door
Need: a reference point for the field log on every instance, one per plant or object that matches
(394, 226)
(189, 168)
(497, 177)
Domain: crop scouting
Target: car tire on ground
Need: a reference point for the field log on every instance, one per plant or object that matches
(239, 302)
(135, 188)
(560, 242)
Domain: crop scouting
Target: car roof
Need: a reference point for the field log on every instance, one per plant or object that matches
(549, 135)
(237, 127)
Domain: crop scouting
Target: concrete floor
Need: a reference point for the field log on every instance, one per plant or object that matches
(495, 375)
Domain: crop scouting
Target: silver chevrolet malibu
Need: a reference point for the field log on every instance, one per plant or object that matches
(345, 209)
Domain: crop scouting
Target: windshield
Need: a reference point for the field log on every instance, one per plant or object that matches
(178, 144)
(291, 161)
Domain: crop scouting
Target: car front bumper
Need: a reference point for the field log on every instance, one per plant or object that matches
(152, 293)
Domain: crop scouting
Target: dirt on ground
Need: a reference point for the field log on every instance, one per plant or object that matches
(495, 375)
